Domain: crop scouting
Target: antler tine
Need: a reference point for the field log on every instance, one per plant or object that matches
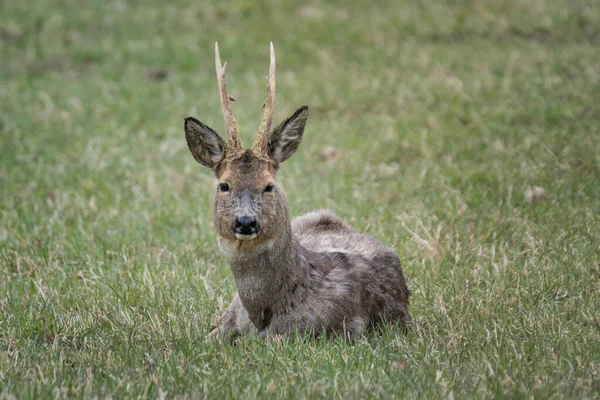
(262, 144)
(232, 132)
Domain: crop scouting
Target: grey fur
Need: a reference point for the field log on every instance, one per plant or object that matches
(320, 276)
(315, 275)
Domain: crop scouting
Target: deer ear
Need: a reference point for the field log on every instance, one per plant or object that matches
(206, 146)
(285, 139)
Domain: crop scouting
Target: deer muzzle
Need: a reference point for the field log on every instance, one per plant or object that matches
(246, 228)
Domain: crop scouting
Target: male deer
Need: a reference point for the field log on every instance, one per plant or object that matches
(315, 274)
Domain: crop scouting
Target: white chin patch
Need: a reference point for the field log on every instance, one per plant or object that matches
(245, 237)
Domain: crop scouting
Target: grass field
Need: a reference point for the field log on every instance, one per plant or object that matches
(431, 123)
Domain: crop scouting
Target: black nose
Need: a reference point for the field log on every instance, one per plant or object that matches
(246, 225)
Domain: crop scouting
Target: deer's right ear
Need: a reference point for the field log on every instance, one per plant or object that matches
(206, 145)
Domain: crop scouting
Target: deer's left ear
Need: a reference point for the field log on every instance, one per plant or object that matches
(285, 139)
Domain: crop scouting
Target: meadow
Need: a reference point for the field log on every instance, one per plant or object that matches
(466, 134)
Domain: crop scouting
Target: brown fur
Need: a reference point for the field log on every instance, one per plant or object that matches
(315, 278)
(317, 274)
(314, 275)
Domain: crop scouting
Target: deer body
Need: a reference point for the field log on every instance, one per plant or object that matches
(316, 274)
(321, 276)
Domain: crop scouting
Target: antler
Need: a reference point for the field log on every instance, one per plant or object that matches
(232, 132)
(262, 139)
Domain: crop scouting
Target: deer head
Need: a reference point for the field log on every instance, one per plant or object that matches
(250, 207)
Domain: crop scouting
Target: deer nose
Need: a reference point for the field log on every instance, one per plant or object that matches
(246, 226)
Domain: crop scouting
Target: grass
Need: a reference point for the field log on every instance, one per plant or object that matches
(430, 122)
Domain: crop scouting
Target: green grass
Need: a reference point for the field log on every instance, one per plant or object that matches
(443, 115)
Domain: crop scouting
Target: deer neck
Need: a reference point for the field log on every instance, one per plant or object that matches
(270, 276)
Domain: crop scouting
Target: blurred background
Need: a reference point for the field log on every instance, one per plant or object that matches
(463, 133)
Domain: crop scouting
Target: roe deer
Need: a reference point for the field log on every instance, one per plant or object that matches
(315, 274)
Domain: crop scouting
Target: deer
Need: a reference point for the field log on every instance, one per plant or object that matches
(315, 274)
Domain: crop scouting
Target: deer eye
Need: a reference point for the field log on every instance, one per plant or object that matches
(223, 187)
(269, 188)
